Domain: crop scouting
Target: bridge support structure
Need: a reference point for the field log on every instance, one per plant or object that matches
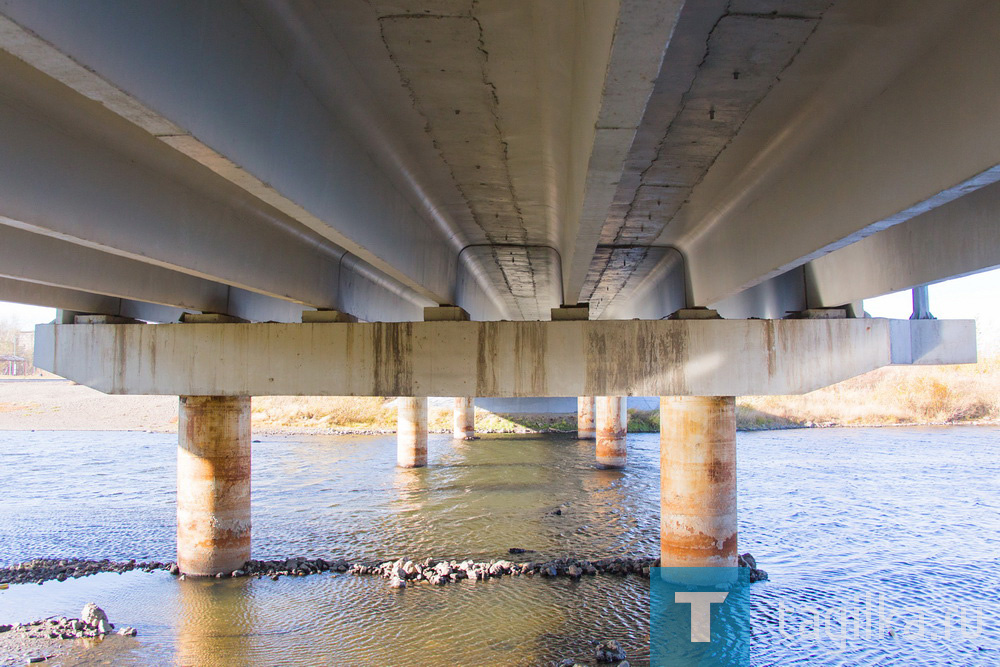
(698, 519)
(696, 365)
(586, 428)
(612, 428)
(465, 417)
(213, 484)
(411, 432)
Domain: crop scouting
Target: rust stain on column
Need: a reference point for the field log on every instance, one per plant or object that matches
(585, 428)
(612, 427)
(213, 484)
(411, 433)
(465, 417)
(698, 520)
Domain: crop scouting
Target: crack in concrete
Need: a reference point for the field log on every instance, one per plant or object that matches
(601, 304)
(489, 235)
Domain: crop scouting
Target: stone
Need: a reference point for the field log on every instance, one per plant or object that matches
(92, 615)
(574, 571)
(443, 569)
(104, 627)
(396, 582)
(746, 560)
(174, 570)
(609, 651)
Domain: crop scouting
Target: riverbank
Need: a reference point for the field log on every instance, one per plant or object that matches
(909, 395)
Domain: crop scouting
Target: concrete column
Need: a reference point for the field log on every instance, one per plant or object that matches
(213, 484)
(612, 427)
(465, 417)
(698, 481)
(411, 433)
(585, 429)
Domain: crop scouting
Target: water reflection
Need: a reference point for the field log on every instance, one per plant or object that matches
(214, 622)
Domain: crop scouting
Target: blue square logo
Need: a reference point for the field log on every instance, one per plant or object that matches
(699, 616)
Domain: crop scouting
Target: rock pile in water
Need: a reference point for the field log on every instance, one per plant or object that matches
(405, 571)
(398, 572)
(45, 569)
(93, 622)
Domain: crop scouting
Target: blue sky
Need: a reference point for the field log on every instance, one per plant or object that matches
(976, 297)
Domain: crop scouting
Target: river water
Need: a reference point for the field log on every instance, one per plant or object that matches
(901, 521)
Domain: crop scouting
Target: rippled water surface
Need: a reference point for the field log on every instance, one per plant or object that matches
(908, 517)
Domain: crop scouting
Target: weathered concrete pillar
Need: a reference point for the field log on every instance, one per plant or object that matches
(698, 481)
(612, 427)
(585, 429)
(213, 484)
(465, 417)
(411, 433)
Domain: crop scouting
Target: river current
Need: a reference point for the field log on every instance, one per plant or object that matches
(877, 541)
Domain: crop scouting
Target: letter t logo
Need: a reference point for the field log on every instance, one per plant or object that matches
(701, 612)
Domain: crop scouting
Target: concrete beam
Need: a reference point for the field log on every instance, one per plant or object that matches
(210, 82)
(500, 359)
(45, 260)
(643, 31)
(69, 170)
(956, 239)
(916, 143)
(35, 294)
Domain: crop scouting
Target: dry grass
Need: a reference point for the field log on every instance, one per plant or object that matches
(325, 412)
(897, 395)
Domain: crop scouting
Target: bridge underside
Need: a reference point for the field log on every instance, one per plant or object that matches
(262, 158)
(301, 182)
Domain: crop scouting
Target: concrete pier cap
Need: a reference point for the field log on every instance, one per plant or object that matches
(213, 484)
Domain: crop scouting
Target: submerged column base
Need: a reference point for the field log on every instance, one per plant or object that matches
(213, 484)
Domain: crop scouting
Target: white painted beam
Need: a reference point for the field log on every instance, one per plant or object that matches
(207, 80)
(70, 171)
(65, 172)
(956, 239)
(36, 294)
(501, 359)
(43, 259)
